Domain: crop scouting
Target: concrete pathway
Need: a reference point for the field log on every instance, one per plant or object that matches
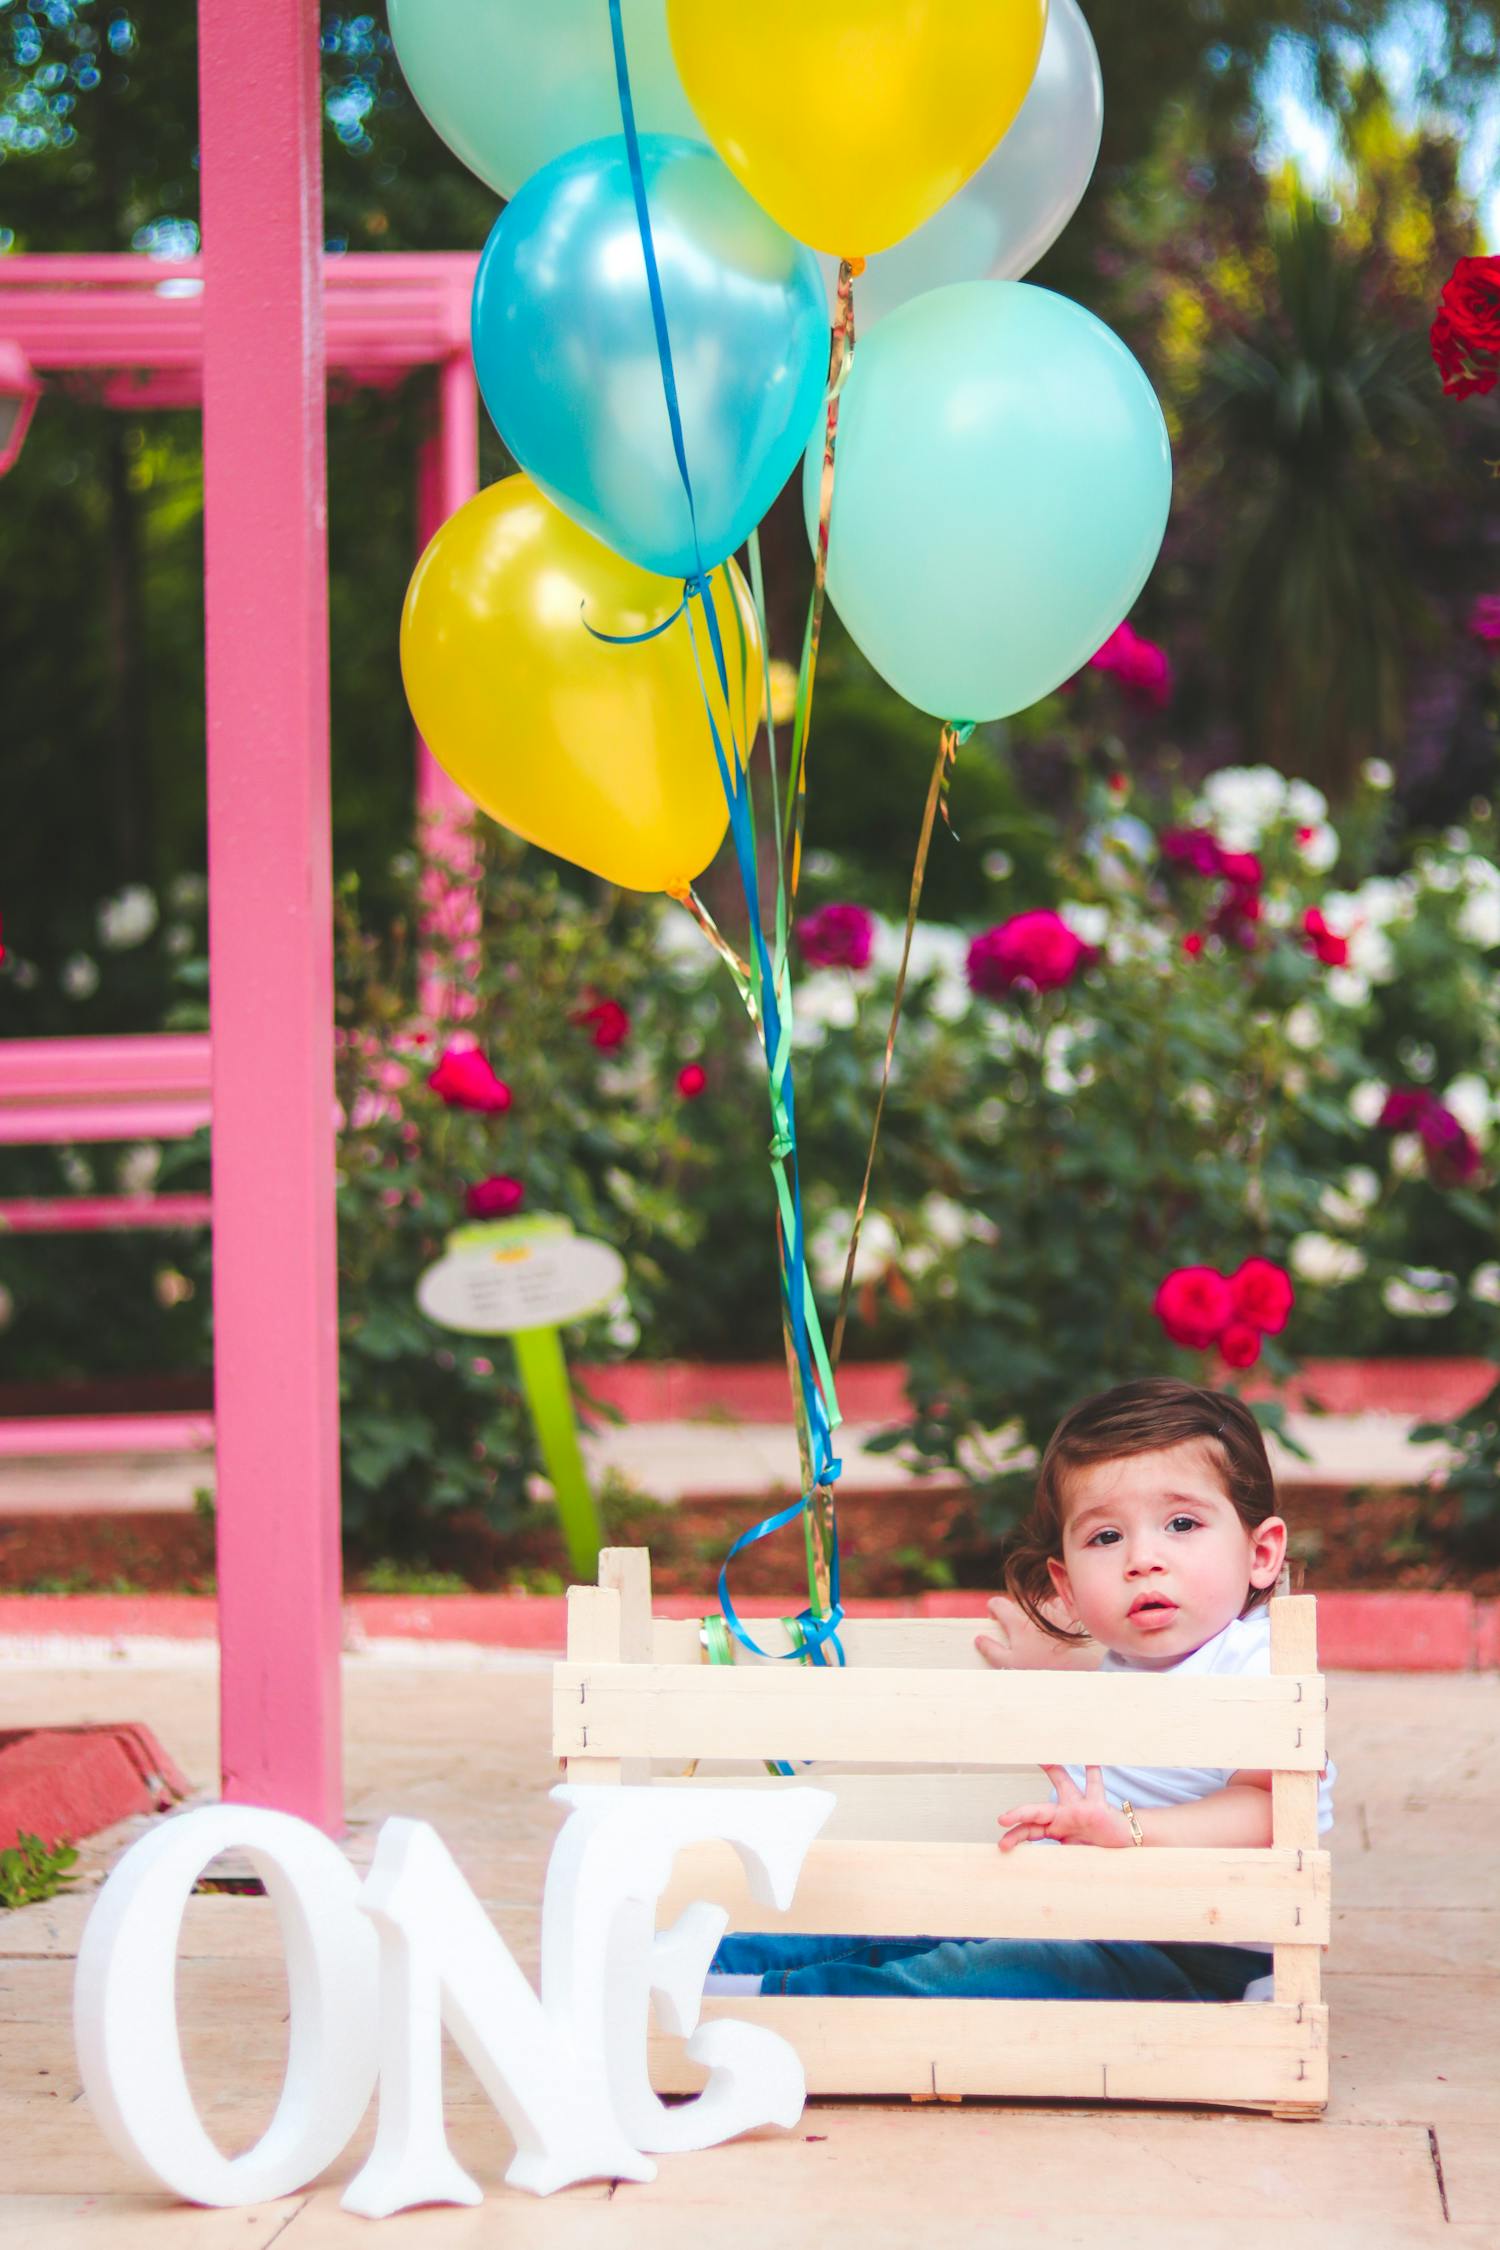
(1407, 2157)
(670, 1461)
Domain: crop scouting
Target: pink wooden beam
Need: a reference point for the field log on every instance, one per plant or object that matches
(41, 1123)
(271, 946)
(94, 1214)
(148, 1063)
(35, 1437)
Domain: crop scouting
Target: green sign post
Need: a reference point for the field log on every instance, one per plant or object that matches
(526, 1278)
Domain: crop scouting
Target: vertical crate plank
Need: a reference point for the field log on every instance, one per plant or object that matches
(595, 1633)
(627, 1571)
(1294, 1800)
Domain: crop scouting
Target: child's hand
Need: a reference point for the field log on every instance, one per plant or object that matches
(1018, 1644)
(1078, 1817)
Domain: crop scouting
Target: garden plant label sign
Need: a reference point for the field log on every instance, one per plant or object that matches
(524, 1278)
(378, 1970)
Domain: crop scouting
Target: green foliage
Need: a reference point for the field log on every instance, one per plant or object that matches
(30, 1871)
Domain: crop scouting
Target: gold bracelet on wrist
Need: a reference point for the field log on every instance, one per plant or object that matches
(1128, 1809)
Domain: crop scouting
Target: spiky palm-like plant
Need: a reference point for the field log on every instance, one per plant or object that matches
(1320, 416)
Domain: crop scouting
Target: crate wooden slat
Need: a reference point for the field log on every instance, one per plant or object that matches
(937, 1718)
(913, 1853)
(1089, 2050)
(1221, 1897)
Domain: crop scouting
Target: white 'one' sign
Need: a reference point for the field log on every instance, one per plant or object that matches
(518, 1274)
(377, 1970)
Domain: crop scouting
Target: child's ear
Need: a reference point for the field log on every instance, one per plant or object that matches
(1268, 1551)
(1057, 1572)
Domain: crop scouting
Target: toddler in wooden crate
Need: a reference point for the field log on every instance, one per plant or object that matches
(1153, 1545)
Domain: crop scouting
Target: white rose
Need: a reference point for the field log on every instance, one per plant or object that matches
(1241, 802)
(1347, 1204)
(79, 976)
(1367, 1100)
(1305, 805)
(1091, 923)
(1484, 1283)
(1408, 1157)
(1319, 849)
(828, 1248)
(1420, 1293)
(1346, 988)
(1304, 1026)
(1479, 919)
(128, 919)
(1320, 1258)
(138, 1167)
(1376, 774)
(1469, 1099)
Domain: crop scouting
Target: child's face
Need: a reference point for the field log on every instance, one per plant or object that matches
(1155, 1558)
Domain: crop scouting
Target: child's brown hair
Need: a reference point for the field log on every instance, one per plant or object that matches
(1141, 1417)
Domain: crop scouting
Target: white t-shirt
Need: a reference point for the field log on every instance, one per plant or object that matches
(1243, 1646)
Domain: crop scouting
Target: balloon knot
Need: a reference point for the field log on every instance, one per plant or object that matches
(782, 1146)
(856, 266)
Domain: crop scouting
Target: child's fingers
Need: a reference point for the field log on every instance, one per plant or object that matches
(1063, 1782)
(1029, 1832)
(1028, 1816)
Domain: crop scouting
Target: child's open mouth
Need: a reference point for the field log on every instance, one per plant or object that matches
(1152, 1609)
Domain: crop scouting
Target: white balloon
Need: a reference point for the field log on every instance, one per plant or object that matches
(1020, 199)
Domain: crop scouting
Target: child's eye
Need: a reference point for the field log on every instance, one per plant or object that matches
(1183, 1523)
(1103, 1539)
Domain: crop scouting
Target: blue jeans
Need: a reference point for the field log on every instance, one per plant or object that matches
(990, 1968)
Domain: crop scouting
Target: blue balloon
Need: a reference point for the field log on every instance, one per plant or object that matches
(567, 358)
(1000, 493)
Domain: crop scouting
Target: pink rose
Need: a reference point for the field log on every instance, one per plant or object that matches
(837, 937)
(1142, 669)
(1483, 622)
(607, 1022)
(1194, 848)
(465, 1080)
(1404, 1110)
(1195, 1306)
(1263, 1297)
(494, 1198)
(1452, 1157)
(1036, 949)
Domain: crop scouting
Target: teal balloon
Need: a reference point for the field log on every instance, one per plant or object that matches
(566, 351)
(510, 84)
(1001, 488)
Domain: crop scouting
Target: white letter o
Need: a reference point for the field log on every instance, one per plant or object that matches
(125, 2017)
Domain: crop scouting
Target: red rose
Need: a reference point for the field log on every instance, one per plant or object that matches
(1465, 336)
(837, 937)
(1242, 869)
(1142, 669)
(1192, 944)
(1330, 948)
(1239, 1346)
(1194, 1306)
(1263, 1297)
(494, 1198)
(1236, 916)
(465, 1081)
(691, 1080)
(1036, 949)
(608, 1022)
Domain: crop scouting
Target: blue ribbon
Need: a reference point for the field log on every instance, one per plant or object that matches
(816, 1630)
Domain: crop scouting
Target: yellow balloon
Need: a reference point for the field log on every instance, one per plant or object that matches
(852, 121)
(599, 753)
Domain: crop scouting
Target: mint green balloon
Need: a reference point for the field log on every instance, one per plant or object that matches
(509, 84)
(1001, 488)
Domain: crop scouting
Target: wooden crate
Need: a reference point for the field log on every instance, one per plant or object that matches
(923, 1745)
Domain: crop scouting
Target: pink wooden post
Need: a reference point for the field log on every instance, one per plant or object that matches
(270, 952)
(447, 476)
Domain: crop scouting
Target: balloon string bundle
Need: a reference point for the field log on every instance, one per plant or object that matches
(817, 1405)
